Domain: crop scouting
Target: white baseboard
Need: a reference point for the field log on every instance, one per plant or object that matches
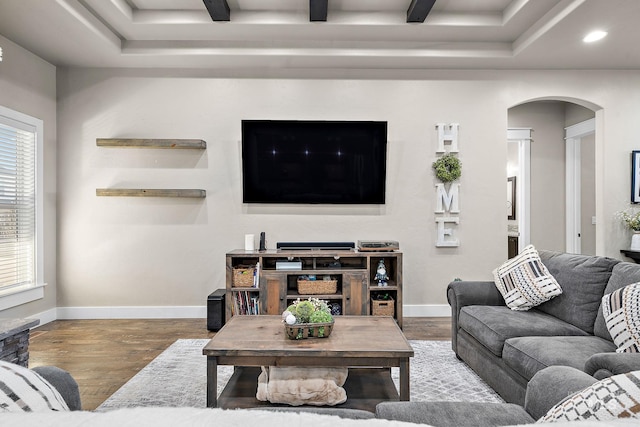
(200, 312)
(426, 310)
(45, 316)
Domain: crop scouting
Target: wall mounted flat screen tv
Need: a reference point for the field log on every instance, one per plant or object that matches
(321, 162)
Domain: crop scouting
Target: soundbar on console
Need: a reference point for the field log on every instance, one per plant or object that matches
(315, 245)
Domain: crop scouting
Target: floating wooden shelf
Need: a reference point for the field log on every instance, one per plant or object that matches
(139, 192)
(152, 143)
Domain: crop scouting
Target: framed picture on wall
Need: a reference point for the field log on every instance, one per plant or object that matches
(635, 176)
(511, 197)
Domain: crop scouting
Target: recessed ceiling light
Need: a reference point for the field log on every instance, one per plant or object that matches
(594, 36)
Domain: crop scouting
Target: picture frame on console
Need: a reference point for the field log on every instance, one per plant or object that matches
(635, 176)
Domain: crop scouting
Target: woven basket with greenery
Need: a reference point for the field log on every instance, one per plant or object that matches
(301, 331)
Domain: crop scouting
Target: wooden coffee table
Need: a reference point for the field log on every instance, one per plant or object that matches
(370, 344)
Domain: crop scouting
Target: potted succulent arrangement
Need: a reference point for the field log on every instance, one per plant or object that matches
(309, 318)
(632, 221)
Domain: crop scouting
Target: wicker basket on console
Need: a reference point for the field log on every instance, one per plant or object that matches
(243, 277)
(383, 307)
(317, 287)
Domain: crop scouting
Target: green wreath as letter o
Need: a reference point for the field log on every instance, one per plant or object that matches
(448, 168)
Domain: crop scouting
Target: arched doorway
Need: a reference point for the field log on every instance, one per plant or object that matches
(553, 159)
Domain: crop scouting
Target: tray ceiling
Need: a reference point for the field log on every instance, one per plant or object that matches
(358, 34)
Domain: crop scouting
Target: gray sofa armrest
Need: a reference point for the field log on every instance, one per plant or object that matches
(603, 365)
(64, 383)
(463, 293)
(551, 385)
(454, 414)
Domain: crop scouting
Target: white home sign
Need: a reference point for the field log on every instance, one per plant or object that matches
(447, 201)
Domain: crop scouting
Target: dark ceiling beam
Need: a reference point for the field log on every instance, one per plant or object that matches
(218, 9)
(419, 9)
(318, 10)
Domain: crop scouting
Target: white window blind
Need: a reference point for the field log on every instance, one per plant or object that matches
(17, 203)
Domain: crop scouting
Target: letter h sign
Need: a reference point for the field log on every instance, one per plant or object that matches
(447, 133)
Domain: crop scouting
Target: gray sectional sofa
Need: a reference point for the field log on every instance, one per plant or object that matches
(506, 348)
(546, 389)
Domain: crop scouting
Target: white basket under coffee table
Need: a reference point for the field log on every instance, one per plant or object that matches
(368, 345)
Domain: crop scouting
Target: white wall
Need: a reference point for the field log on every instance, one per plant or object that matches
(546, 119)
(28, 85)
(574, 114)
(119, 252)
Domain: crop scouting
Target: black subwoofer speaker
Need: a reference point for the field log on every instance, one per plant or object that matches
(215, 310)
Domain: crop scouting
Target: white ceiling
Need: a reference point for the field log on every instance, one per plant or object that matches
(358, 34)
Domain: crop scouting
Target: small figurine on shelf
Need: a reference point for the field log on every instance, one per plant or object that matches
(336, 309)
(381, 274)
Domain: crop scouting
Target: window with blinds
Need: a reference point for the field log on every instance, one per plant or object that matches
(17, 203)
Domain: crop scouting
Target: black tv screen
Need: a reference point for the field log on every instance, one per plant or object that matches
(332, 162)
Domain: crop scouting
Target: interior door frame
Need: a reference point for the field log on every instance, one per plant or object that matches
(573, 224)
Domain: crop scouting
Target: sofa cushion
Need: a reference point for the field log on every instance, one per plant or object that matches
(583, 279)
(623, 274)
(608, 399)
(353, 414)
(524, 281)
(621, 310)
(454, 414)
(528, 355)
(23, 390)
(492, 325)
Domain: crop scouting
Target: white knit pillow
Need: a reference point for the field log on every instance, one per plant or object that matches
(524, 281)
(23, 390)
(621, 310)
(611, 398)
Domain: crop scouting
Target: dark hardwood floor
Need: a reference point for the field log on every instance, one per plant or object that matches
(102, 355)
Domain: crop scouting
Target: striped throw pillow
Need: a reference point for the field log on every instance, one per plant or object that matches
(23, 390)
(621, 310)
(524, 281)
(611, 398)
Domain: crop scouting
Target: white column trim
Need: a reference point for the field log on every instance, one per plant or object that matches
(522, 136)
(581, 129)
(599, 168)
(517, 134)
(572, 200)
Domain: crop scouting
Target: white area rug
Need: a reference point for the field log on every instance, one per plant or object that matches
(178, 378)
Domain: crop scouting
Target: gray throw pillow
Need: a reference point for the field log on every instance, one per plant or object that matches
(583, 279)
